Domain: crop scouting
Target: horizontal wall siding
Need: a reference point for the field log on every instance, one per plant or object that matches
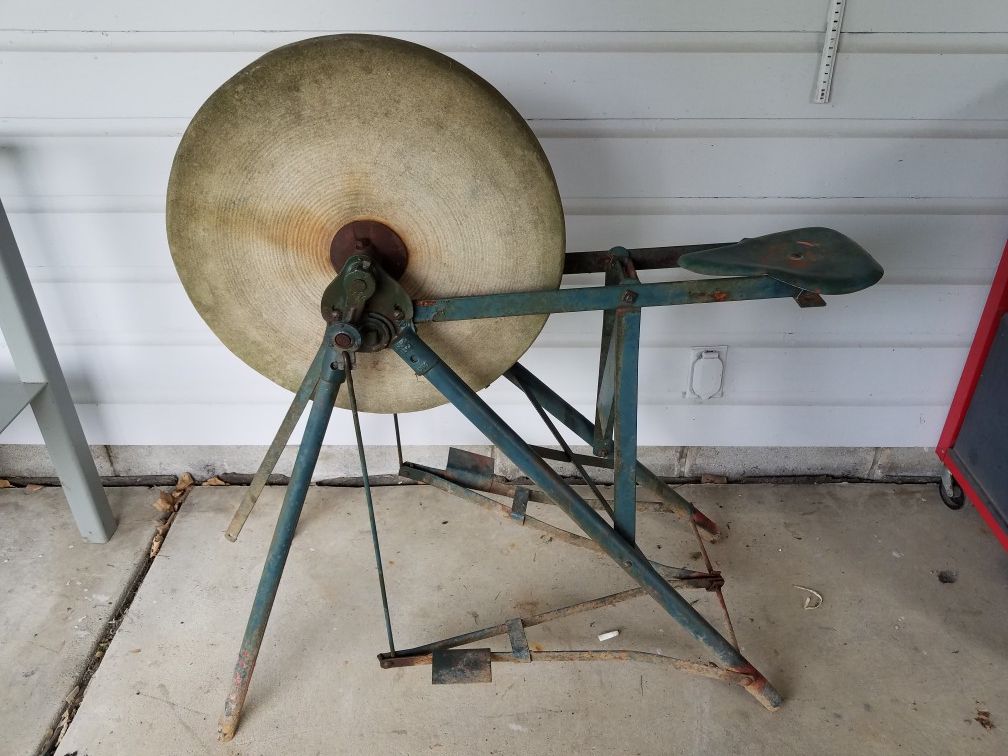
(917, 241)
(605, 84)
(526, 15)
(665, 123)
(593, 167)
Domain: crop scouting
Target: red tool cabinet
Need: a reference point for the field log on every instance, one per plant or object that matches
(974, 443)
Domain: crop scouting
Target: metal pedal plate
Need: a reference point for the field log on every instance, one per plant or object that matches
(461, 665)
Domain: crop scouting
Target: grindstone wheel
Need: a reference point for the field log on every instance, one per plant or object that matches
(331, 142)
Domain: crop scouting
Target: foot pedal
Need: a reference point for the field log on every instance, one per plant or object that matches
(461, 665)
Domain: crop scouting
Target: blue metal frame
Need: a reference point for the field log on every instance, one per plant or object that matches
(590, 298)
(623, 355)
(613, 435)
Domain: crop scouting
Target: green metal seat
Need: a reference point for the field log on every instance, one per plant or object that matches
(813, 259)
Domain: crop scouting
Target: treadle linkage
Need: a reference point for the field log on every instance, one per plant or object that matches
(450, 665)
(466, 471)
(679, 577)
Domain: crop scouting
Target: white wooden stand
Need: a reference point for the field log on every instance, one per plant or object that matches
(43, 386)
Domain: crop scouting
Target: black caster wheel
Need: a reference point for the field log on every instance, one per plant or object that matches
(951, 492)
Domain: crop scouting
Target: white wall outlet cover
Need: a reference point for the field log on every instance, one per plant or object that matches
(706, 375)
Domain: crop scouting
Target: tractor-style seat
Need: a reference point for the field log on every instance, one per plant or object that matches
(813, 259)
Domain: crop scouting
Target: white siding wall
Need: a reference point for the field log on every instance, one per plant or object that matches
(665, 123)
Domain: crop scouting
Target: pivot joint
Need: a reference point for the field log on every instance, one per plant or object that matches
(365, 307)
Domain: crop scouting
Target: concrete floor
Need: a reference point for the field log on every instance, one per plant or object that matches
(57, 593)
(893, 661)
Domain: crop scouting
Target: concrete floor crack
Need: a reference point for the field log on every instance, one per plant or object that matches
(177, 497)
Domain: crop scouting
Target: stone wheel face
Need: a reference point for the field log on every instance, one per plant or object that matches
(327, 131)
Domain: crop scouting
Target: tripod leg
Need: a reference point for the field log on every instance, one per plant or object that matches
(276, 448)
(426, 362)
(290, 513)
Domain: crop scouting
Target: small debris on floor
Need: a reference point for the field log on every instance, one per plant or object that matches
(813, 600)
(947, 576)
(4, 483)
(165, 503)
(32, 488)
(168, 503)
(608, 635)
(711, 478)
(983, 717)
(214, 481)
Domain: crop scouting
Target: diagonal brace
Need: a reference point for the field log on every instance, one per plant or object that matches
(582, 426)
(425, 362)
(277, 446)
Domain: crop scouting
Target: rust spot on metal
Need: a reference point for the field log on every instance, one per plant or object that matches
(758, 687)
(705, 522)
(369, 237)
(720, 296)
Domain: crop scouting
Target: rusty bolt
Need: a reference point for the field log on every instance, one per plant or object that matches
(343, 340)
(397, 313)
(629, 296)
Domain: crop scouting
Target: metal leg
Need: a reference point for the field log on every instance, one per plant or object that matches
(426, 362)
(36, 363)
(583, 427)
(276, 448)
(627, 328)
(290, 513)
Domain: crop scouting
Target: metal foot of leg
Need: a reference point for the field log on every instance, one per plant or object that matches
(761, 689)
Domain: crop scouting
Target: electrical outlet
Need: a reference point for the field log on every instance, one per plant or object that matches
(706, 373)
